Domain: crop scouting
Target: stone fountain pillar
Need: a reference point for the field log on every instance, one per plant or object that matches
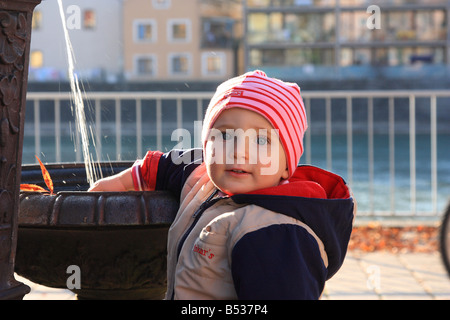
(15, 37)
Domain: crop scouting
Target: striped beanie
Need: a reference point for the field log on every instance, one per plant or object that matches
(277, 101)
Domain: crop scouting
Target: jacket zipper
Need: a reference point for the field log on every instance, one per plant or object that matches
(196, 216)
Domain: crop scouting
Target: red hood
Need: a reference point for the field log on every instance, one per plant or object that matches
(310, 182)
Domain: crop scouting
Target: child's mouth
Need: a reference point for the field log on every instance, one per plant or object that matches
(238, 172)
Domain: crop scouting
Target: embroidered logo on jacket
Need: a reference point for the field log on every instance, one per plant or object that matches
(204, 252)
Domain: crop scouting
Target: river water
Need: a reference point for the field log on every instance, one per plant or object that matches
(375, 190)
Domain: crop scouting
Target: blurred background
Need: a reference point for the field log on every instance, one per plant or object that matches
(374, 76)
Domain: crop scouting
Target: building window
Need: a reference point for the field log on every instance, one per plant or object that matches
(217, 33)
(145, 65)
(291, 57)
(391, 56)
(258, 3)
(89, 20)
(294, 3)
(36, 59)
(431, 25)
(179, 64)
(161, 4)
(179, 30)
(144, 30)
(408, 25)
(213, 64)
(279, 27)
(36, 22)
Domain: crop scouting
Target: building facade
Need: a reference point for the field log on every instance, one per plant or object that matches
(212, 40)
(95, 30)
(177, 40)
(136, 40)
(348, 39)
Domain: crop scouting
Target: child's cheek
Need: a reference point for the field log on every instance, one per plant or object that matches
(210, 153)
(215, 152)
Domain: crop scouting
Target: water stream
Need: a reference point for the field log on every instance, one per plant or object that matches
(78, 104)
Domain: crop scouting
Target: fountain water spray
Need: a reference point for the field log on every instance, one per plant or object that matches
(80, 117)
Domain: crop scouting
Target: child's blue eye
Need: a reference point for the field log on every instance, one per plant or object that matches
(261, 140)
(226, 135)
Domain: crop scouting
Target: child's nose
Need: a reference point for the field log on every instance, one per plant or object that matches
(241, 148)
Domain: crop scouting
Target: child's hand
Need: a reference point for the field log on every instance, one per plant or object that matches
(120, 182)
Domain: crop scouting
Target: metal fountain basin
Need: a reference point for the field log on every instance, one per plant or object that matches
(117, 239)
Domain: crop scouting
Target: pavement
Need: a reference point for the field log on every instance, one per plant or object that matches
(364, 276)
(387, 276)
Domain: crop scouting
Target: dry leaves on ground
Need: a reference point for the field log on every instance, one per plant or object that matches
(375, 237)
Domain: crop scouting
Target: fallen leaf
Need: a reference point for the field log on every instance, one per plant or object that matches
(48, 180)
(32, 188)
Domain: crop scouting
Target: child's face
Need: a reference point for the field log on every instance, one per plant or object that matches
(243, 152)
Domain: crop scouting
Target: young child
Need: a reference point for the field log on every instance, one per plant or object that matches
(252, 224)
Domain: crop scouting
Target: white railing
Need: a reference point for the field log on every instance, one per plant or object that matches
(94, 102)
(335, 118)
